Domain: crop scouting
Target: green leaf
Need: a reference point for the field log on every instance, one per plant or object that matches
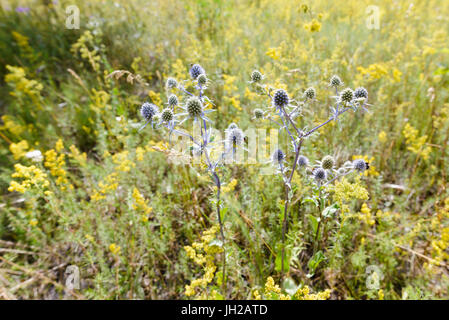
(315, 262)
(311, 200)
(313, 222)
(329, 211)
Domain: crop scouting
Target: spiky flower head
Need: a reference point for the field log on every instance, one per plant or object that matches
(167, 115)
(196, 70)
(148, 110)
(202, 79)
(347, 95)
(319, 174)
(171, 83)
(310, 93)
(173, 100)
(258, 113)
(280, 98)
(232, 126)
(278, 156)
(360, 165)
(235, 137)
(303, 161)
(327, 162)
(256, 76)
(194, 107)
(335, 81)
(361, 93)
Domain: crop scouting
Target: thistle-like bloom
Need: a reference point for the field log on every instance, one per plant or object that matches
(195, 71)
(171, 83)
(347, 95)
(148, 110)
(360, 165)
(194, 107)
(303, 161)
(361, 93)
(173, 100)
(310, 93)
(319, 174)
(234, 137)
(202, 79)
(327, 163)
(258, 114)
(278, 156)
(280, 98)
(167, 115)
(335, 81)
(256, 76)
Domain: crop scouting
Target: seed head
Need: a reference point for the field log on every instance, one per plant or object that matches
(173, 100)
(327, 162)
(310, 93)
(280, 98)
(303, 161)
(258, 113)
(360, 165)
(335, 81)
(347, 95)
(256, 76)
(360, 93)
(319, 174)
(194, 107)
(167, 115)
(196, 70)
(171, 83)
(278, 156)
(148, 110)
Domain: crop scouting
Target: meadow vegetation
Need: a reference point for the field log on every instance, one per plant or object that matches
(81, 185)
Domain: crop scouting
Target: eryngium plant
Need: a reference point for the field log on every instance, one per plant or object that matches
(283, 111)
(194, 106)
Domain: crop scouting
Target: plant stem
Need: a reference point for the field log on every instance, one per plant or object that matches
(218, 183)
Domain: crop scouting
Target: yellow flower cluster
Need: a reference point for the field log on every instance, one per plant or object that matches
(304, 294)
(77, 155)
(203, 254)
(16, 78)
(110, 184)
(345, 191)
(313, 26)
(274, 53)
(115, 249)
(18, 150)
(32, 176)
(11, 125)
(272, 291)
(415, 143)
(24, 45)
(122, 161)
(440, 244)
(82, 47)
(56, 163)
(141, 205)
(365, 215)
